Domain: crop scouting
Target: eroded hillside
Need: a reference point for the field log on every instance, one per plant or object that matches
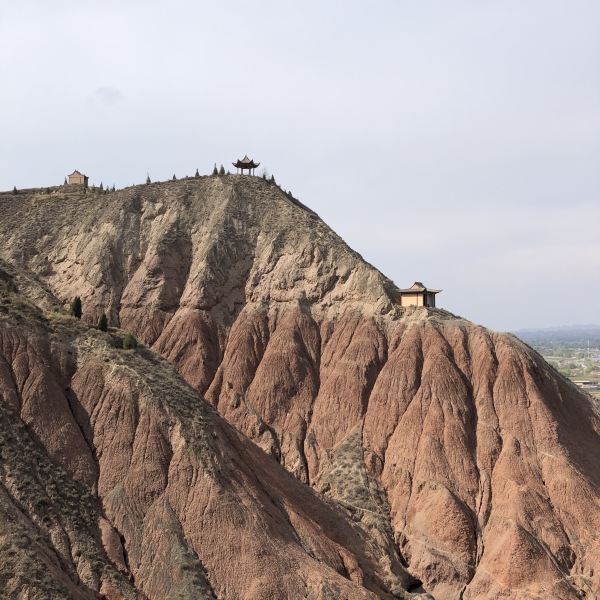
(117, 478)
(458, 446)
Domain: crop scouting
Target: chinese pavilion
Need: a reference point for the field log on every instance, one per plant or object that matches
(77, 178)
(246, 164)
(418, 295)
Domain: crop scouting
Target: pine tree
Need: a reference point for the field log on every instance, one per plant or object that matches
(65, 181)
(113, 188)
(10, 287)
(76, 307)
(272, 180)
(197, 173)
(103, 322)
(215, 170)
(174, 178)
(148, 180)
(15, 191)
(222, 170)
(101, 186)
(129, 342)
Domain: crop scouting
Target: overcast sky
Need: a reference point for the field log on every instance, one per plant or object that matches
(452, 142)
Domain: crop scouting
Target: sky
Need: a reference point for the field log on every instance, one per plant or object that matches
(454, 143)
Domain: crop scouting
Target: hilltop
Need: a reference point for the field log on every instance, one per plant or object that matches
(457, 451)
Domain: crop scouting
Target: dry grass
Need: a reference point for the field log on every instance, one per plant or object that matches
(33, 485)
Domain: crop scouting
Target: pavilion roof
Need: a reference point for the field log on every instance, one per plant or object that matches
(246, 163)
(418, 287)
(76, 172)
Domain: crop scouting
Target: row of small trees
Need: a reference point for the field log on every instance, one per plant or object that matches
(76, 310)
(216, 171)
(100, 188)
(196, 174)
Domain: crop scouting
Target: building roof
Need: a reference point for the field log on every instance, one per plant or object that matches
(245, 163)
(76, 172)
(417, 287)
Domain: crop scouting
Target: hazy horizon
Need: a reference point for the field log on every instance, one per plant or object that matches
(574, 327)
(456, 145)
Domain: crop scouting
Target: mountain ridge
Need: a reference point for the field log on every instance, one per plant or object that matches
(443, 440)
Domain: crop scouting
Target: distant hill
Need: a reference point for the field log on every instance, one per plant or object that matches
(579, 334)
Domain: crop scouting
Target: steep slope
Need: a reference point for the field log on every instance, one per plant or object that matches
(116, 478)
(460, 445)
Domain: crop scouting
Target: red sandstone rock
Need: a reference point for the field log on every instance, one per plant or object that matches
(459, 447)
(186, 506)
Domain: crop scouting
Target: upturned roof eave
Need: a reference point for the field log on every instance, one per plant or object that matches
(419, 290)
(245, 163)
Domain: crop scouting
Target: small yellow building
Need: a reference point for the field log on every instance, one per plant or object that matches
(418, 295)
(77, 178)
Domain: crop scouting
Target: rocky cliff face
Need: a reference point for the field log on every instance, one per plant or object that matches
(456, 446)
(118, 479)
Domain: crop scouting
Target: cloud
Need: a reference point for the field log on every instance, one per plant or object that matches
(107, 95)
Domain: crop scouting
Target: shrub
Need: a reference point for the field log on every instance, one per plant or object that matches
(8, 286)
(76, 307)
(103, 322)
(129, 342)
